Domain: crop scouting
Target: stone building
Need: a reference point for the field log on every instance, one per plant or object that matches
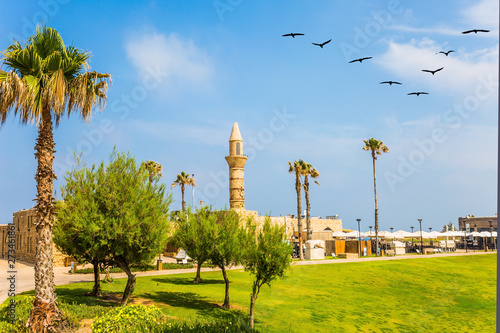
(25, 237)
(479, 223)
(236, 162)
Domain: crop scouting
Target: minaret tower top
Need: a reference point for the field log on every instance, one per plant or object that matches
(236, 161)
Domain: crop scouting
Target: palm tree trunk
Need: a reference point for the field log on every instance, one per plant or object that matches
(45, 312)
(299, 208)
(226, 304)
(376, 209)
(308, 208)
(183, 201)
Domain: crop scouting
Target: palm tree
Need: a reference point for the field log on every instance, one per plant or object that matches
(153, 169)
(377, 147)
(307, 171)
(47, 80)
(297, 168)
(182, 180)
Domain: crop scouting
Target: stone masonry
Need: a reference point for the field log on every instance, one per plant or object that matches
(25, 237)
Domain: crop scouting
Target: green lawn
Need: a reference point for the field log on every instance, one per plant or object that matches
(447, 294)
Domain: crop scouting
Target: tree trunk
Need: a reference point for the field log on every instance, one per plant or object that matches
(183, 201)
(226, 304)
(308, 208)
(299, 213)
(129, 288)
(253, 299)
(197, 279)
(376, 209)
(96, 291)
(45, 312)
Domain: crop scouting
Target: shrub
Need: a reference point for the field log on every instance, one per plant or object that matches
(121, 318)
(219, 326)
(22, 308)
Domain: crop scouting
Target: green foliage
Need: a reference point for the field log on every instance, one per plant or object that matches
(118, 319)
(23, 305)
(71, 314)
(216, 326)
(266, 253)
(194, 233)
(116, 211)
(165, 266)
(226, 242)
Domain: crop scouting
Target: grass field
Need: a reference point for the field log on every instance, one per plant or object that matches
(446, 294)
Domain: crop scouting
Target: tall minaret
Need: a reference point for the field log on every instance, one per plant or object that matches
(236, 162)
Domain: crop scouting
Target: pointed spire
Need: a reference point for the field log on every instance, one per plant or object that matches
(235, 133)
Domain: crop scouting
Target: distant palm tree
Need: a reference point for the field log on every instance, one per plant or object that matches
(376, 147)
(182, 180)
(46, 81)
(153, 169)
(297, 168)
(307, 171)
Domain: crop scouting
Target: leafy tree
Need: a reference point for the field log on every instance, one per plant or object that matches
(194, 233)
(297, 168)
(128, 215)
(450, 226)
(376, 147)
(226, 245)
(307, 171)
(46, 80)
(266, 255)
(182, 180)
(78, 229)
(134, 214)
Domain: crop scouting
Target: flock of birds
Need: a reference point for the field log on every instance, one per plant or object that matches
(360, 60)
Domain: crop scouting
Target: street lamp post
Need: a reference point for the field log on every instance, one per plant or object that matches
(473, 240)
(194, 205)
(412, 236)
(391, 229)
(359, 237)
(491, 233)
(421, 240)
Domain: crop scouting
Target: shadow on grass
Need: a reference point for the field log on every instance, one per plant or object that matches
(194, 301)
(187, 281)
(77, 296)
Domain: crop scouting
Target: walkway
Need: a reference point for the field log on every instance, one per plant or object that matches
(24, 272)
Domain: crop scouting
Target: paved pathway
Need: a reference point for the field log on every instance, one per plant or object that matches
(24, 272)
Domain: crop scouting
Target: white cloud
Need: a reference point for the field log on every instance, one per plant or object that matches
(180, 61)
(441, 29)
(461, 69)
(482, 15)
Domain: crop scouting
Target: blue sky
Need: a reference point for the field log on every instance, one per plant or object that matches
(184, 72)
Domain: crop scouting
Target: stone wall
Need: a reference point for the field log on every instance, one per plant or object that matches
(479, 223)
(25, 236)
(290, 223)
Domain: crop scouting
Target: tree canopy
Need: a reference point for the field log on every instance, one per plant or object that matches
(127, 215)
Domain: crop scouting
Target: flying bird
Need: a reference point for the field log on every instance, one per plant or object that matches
(418, 93)
(475, 31)
(433, 72)
(322, 44)
(293, 34)
(445, 53)
(360, 60)
(390, 82)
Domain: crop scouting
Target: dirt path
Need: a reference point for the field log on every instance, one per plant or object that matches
(24, 273)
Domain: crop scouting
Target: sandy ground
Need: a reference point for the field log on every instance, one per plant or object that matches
(24, 272)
